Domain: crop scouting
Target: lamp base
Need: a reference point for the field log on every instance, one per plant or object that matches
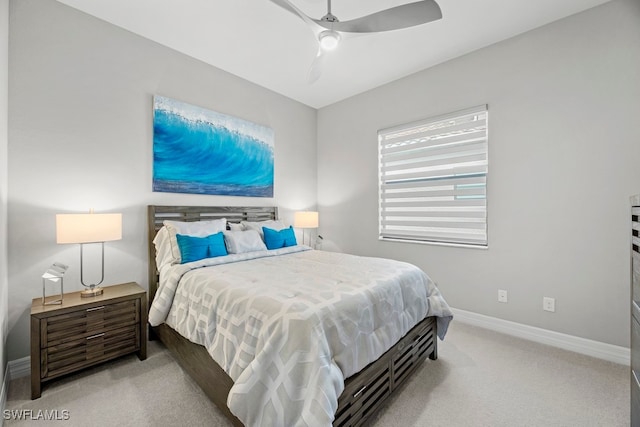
(91, 292)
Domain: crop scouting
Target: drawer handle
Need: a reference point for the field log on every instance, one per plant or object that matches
(95, 308)
(95, 336)
(359, 392)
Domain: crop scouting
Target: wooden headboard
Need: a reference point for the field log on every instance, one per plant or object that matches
(234, 214)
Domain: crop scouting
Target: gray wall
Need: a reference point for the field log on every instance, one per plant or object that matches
(80, 137)
(4, 102)
(564, 157)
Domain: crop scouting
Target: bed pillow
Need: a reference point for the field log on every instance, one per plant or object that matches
(239, 242)
(194, 248)
(164, 254)
(194, 228)
(233, 226)
(217, 246)
(272, 224)
(276, 239)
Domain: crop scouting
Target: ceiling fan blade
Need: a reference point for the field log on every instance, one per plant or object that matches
(288, 6)
(316, 67)
(395, 18)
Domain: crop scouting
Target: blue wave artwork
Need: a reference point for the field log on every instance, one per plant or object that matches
(200, 151)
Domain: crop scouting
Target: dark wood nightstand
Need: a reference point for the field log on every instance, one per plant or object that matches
(83, 332)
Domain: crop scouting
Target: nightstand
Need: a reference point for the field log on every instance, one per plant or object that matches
(83, 332)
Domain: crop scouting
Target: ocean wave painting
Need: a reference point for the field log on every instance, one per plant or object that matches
(200, 151)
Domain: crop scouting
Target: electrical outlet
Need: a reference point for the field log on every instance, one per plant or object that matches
(549, 304)
(502, 295)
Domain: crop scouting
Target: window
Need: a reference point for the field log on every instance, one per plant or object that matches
(433, 179)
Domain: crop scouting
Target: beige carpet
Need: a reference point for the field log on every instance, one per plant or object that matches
(481, 378)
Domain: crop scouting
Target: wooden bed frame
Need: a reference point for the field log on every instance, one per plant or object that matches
(364, 392)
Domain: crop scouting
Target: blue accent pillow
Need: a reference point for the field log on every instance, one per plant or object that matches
(279, 239)
(194, 248)
(216, 245)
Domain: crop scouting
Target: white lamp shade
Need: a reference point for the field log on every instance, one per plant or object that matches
(305, 219)
(88, 228)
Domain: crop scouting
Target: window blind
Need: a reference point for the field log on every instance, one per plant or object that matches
(433, 179)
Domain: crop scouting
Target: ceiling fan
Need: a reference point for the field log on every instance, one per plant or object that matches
(329, 28)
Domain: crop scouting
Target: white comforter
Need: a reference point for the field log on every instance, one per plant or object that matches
(290, 325)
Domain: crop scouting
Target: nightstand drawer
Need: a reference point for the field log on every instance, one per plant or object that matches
(57, 330)
(70, 356)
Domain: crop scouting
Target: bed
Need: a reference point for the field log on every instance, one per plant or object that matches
(385, 358)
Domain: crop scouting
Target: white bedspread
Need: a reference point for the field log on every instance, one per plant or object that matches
(290, 325)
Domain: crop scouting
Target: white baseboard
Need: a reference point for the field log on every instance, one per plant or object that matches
(15, 369)
(600, 350)
(19, 368)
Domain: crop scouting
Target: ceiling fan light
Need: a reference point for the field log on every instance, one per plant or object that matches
(329, 39)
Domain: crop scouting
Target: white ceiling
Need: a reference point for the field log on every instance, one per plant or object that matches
(261, 42)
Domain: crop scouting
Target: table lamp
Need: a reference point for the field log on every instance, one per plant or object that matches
(305, 219)
(88, 228)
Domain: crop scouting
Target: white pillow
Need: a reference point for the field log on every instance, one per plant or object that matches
(243, 241)
(194, 228)
(235, 226)
(164, 255)
(257, 226)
